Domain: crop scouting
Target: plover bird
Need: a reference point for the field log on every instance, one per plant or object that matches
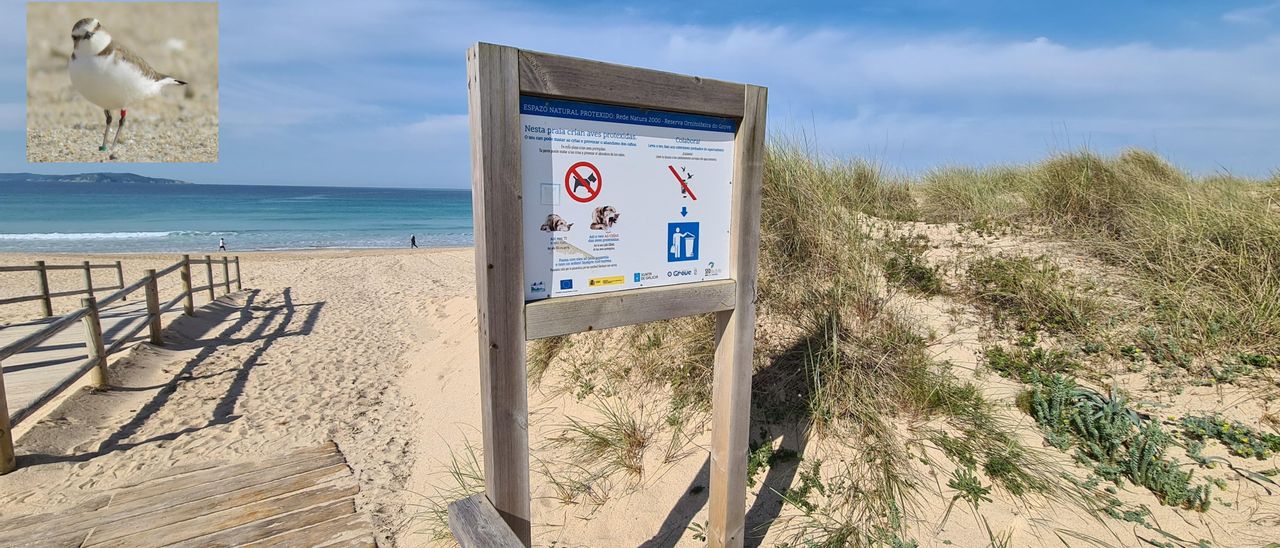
(109, 75)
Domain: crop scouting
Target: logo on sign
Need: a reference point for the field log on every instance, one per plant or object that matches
(682, 242)
(566, 284)
(610, 280)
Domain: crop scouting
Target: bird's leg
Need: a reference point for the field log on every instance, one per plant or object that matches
(106, 131)
(119, 130)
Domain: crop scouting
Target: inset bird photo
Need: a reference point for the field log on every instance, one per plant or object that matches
(122, 82)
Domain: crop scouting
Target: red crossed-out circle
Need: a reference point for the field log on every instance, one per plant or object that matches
(578, 177)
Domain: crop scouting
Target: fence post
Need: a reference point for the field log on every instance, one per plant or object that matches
(45, 304)
(93, 342)
(7, 461)
(120, 279)
(153, 307)
(239, 286)
(88, 279)
(188, 303)
(208, 270)
(226, 276)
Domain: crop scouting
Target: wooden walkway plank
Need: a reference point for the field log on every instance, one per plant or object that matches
(262, 531)
(305, 497)
(474, 522)
(324, 455)
(178, 501)
(163, 512)
(355, 530)
(222, 519)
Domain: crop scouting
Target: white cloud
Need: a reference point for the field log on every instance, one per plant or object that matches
(375, 73)
(440, 125)
(1253, 16)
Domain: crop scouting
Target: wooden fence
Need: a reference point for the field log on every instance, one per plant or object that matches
(42, 272)
(88, 316)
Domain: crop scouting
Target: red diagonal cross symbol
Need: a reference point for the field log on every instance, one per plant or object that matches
(682, 183)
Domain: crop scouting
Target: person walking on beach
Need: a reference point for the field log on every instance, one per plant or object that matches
(413, 241)
(222, 244)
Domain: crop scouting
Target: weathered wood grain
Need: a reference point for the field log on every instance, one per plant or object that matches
(160, 512)
(188, 301)
(46, 306)
(735, 335)
(223, 519)
(354, 531)
(266, 529)
(163, 505)
(221, 479)
(93, 342)
(304, 498)
(208, 272)
(8, 462)
(586, 80)
(153, 308)
(494, 107)
(564, 315)
(476, 524)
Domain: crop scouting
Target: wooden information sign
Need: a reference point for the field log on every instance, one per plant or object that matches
(604, 196)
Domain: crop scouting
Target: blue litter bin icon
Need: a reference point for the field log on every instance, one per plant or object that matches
(682, 242)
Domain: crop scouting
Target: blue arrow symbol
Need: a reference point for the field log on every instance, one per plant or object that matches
(684, 211)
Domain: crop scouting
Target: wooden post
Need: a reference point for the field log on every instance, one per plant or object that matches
(120, 278)
(735, 337)
(7, 460)
(46, 305)
(494, 106)
(153, 307)
(226, 276)
(239, 286)
(93, 342)
(88, 278)
(188, 303)
(208, 271)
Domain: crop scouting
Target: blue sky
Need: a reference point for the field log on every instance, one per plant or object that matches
(374, 92)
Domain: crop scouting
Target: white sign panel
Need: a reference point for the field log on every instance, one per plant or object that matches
(621, 198)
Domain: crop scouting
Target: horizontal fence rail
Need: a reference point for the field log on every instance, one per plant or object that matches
(88, 315)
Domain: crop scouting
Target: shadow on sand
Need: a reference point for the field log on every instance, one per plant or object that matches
(779, 409)
(268, 324)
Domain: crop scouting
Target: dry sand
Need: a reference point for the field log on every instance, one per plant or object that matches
(178, 39)
(376, 350)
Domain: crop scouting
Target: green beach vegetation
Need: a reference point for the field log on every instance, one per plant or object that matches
(1094, 285)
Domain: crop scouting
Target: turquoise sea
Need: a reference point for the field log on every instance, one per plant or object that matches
(109, 218)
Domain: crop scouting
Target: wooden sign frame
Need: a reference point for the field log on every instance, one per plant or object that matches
(496, 78)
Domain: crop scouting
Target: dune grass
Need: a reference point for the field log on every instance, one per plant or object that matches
(1032, 294)
(834, 353)
(1205, 250)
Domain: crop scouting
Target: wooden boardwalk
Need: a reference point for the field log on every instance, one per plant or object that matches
(34, 372)
(306, 498)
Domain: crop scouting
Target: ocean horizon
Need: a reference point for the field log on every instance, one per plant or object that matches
(140, 218)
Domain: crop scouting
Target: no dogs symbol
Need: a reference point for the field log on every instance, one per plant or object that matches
(583, 182)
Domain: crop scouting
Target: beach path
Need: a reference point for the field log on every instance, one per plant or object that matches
(303, 498)
(31, 374)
